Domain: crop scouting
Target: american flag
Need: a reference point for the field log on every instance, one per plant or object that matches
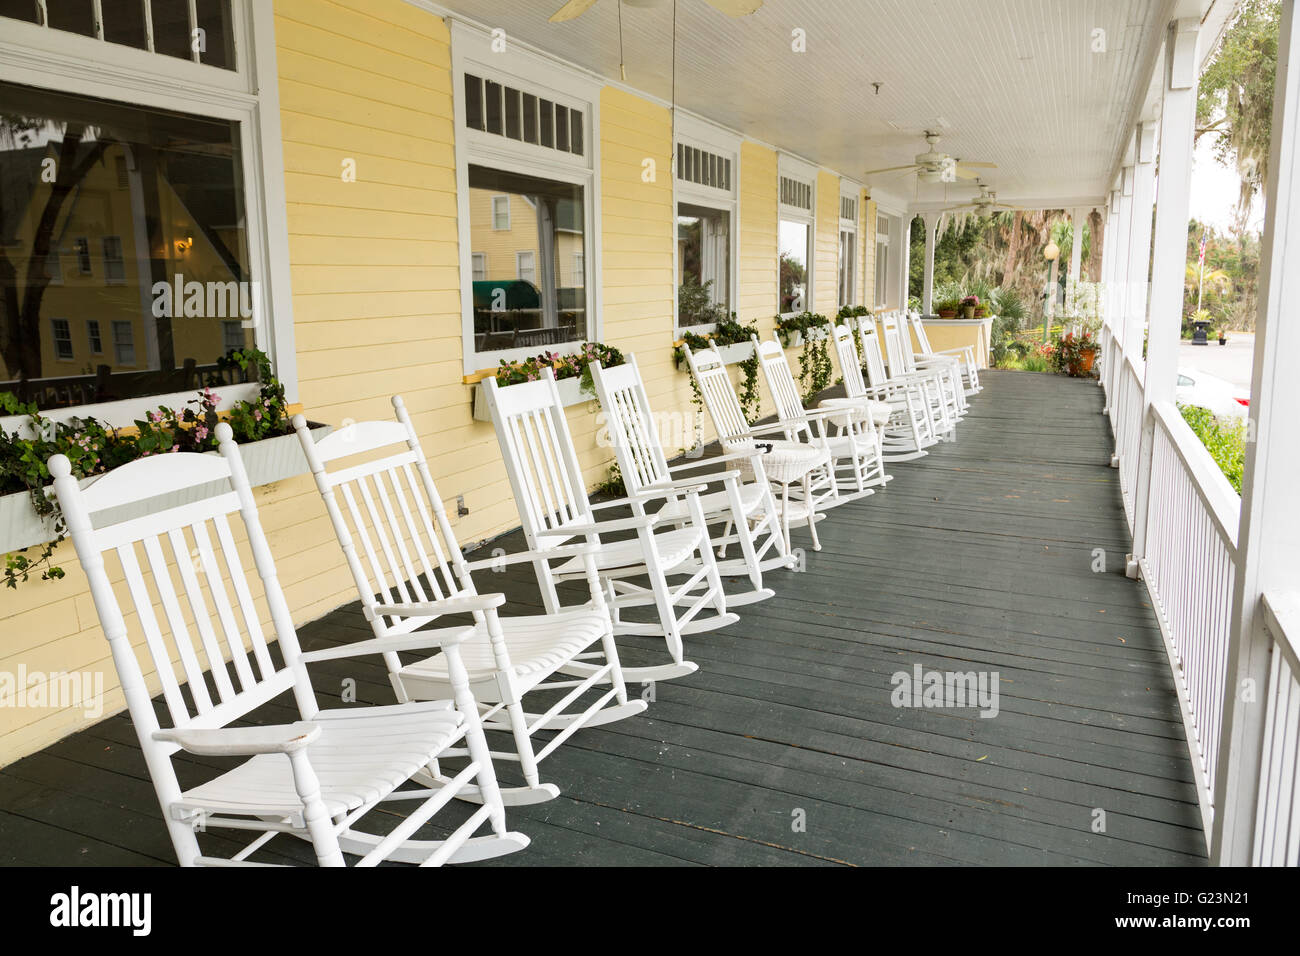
(1201, 259)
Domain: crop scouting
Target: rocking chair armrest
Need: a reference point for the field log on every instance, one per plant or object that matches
(419, 641)
(675, 486)
(599, 527)
(718, 460)
(545, 554)
(462, 604)
(963, 350)
(242, 741)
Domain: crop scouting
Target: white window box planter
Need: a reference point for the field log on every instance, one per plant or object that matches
(267, 461)
(570, 389)
(731, 354)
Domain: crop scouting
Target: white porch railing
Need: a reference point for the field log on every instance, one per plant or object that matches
(1277, 817)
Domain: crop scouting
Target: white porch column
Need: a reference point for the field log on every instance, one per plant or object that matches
(931, 220)
(1268, 542)
(1139, 244)
(1169, 262)
(1077, 219)
(1117, 298)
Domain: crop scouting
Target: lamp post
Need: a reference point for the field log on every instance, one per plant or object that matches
(1051, 253)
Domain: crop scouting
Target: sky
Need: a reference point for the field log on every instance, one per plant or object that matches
(1215, 189)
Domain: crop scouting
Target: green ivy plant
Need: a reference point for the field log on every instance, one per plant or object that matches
(728, 332)
(574, 365)
(94, 448)
(815, 364)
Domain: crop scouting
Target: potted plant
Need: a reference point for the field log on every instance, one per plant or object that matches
(947, 308)
(1075, 354)
(969, 305)
(1223, 334)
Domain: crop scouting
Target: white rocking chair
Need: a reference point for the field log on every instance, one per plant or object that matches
(964, 355)
(909, 430)
(788, 464)
(945, 388)
(857, 467)
(413, 566)
(748, 507)
(551, 497)
(314, 778)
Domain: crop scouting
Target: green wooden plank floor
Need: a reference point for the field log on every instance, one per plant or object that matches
(785, 747)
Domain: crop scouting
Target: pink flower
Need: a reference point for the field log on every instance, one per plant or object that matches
(201, 432)
(257, 415)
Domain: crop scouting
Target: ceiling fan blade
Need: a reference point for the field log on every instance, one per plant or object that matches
(574, 8)
(735, 8)
(962, 162)
(966, 174)
(890, 169)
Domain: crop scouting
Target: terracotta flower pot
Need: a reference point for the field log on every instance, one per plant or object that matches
(947, 313)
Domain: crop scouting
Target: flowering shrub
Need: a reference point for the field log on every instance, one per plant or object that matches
(94, 448)
(575, 365)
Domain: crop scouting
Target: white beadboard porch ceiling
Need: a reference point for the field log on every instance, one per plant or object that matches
(1013, 82)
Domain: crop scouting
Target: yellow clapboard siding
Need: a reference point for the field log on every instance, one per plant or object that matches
(827, 268)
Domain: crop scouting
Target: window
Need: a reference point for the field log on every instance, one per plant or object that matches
(180, 217)
(528, 184)
(234, 338)
(123, 343)
(521, 115)
(62, 339)
(93, 338)
(114, 267)
(501, 213)
(848, 257)
(707, 204)
(526, 266)
(796, 234)
(203, 35)
(81, 248)
(882, 260)
(547, 228)
(703, 264)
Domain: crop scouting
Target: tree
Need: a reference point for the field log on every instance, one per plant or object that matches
(1235, 99)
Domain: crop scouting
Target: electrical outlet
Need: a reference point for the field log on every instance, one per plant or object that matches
(461, 510)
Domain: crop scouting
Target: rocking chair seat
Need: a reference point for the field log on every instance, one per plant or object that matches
(879, 411)
(751, 495)
(538, 644)
(674, 546)
(361, 756)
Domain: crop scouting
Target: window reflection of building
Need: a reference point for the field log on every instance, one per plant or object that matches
(113, 199)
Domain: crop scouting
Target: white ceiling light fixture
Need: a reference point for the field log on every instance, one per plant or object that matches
(932, 166)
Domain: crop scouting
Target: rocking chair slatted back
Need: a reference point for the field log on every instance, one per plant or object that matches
(850, 365)
(542, 464)
(392, 507)
(897, 350)
(918, 327)
(720, 399)
(631, 424)
(780, 380)
(875, 362)
(187, 598)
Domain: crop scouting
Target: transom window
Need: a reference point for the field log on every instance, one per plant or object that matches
(513, 113)
(200, 31)
(703, 168)
(796, 193)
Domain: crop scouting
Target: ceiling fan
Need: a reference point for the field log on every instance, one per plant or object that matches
(983, 204)
(933, 166)
(732, 8)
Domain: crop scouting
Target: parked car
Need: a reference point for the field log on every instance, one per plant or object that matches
(1201, 388)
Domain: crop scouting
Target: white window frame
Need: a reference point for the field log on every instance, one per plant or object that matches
(893, 264)
(519, 265)
(850, 190)
(120, 261)
(792, 167)
(115, 326)
(495, 227)
(81, 252)
(478, 263)
(698, 132)
(55, 322)
(65, 62)
(99, 333)
(471, 52)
